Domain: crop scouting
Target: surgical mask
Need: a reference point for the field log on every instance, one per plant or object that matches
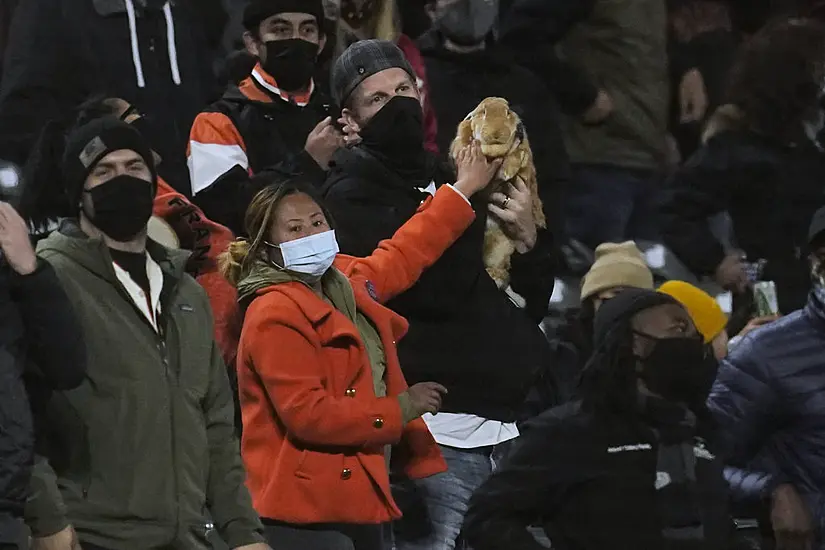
(311, 256)
(290, 62)
(679, 369)
(468, 22)
(122, 206)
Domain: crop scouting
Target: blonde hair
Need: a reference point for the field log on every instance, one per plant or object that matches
(235, 263)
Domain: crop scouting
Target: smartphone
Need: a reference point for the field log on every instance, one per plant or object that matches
(334, 112)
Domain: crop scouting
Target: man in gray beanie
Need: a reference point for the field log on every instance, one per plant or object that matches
(463, 329)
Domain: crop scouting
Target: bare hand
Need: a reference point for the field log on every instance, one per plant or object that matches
(425, 397)
(323, 141)
(757, 322)
(693, 97)
(15, 241)
(731, 274)
(601, 109)
(515, 210)
(475, 172)
(791, 520)
(351, 135)
(62, 540)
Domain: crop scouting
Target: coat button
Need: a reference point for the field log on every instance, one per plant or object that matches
(350, 392)
(378, 423)
(346, 474)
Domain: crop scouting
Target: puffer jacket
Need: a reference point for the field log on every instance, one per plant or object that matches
(768, 401)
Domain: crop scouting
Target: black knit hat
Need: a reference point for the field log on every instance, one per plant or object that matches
(362, 60)
(259, 10)
(86, 145)
(617, 312)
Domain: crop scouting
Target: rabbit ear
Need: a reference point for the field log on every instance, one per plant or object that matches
(463, 137)
(465, 132)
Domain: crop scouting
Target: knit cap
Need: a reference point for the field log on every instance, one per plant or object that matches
(362, 60)
(616, 313)
(617, 265)
(706, 313)
(257, 11)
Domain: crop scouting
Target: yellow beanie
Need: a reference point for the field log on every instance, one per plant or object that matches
(706, 313)
(617, 265)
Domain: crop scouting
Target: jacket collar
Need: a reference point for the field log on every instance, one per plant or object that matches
(261, 87)
(93, 254)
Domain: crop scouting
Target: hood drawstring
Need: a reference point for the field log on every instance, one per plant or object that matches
(170, 42)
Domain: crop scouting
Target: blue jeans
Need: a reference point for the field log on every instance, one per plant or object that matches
(610, 204)
(434, 507)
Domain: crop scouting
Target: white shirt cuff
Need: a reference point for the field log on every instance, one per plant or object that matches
(460, 194)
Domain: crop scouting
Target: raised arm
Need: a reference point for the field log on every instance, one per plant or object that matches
(398, 262)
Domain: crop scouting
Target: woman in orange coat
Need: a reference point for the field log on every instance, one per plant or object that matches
(322, 393)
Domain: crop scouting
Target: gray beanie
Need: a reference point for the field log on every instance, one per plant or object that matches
(362, 60)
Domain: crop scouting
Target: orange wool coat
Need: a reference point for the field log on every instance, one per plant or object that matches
(314, 432)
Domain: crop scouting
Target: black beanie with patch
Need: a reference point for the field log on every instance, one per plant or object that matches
(88, 144)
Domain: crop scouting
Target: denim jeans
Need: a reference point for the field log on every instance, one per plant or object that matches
(434, 507)
(282, 536)
(610, 204)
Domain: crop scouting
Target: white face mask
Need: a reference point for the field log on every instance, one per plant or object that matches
(311, 255)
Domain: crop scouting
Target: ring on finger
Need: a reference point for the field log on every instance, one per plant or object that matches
(505, 202)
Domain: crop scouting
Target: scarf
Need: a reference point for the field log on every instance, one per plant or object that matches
(676, 486)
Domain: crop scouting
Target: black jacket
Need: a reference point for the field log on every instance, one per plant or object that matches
(589, 479)
(464, 332)
(38, 325)
(273, 134)
(62, 51)
(459, 82)
(771, 192)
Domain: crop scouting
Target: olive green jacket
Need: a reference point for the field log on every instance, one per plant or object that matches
(622, 48)
(146, 447)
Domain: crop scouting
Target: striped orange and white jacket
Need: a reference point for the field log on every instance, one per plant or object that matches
(254, 127)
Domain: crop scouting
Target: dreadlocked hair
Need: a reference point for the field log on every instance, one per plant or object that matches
(43, 198)
(609, 379)
(238, 259)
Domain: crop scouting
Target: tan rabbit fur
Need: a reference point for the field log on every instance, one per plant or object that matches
(501, 134)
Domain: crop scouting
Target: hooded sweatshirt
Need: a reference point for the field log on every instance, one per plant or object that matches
(254, 127)
(148, 439)
(152, 53)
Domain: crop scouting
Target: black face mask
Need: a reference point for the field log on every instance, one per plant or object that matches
(468, 22)
(290, 62)
(397, 129)
(122, 205)
(679, 369)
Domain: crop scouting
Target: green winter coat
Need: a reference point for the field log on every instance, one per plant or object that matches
(622, 48)
(145, 447)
